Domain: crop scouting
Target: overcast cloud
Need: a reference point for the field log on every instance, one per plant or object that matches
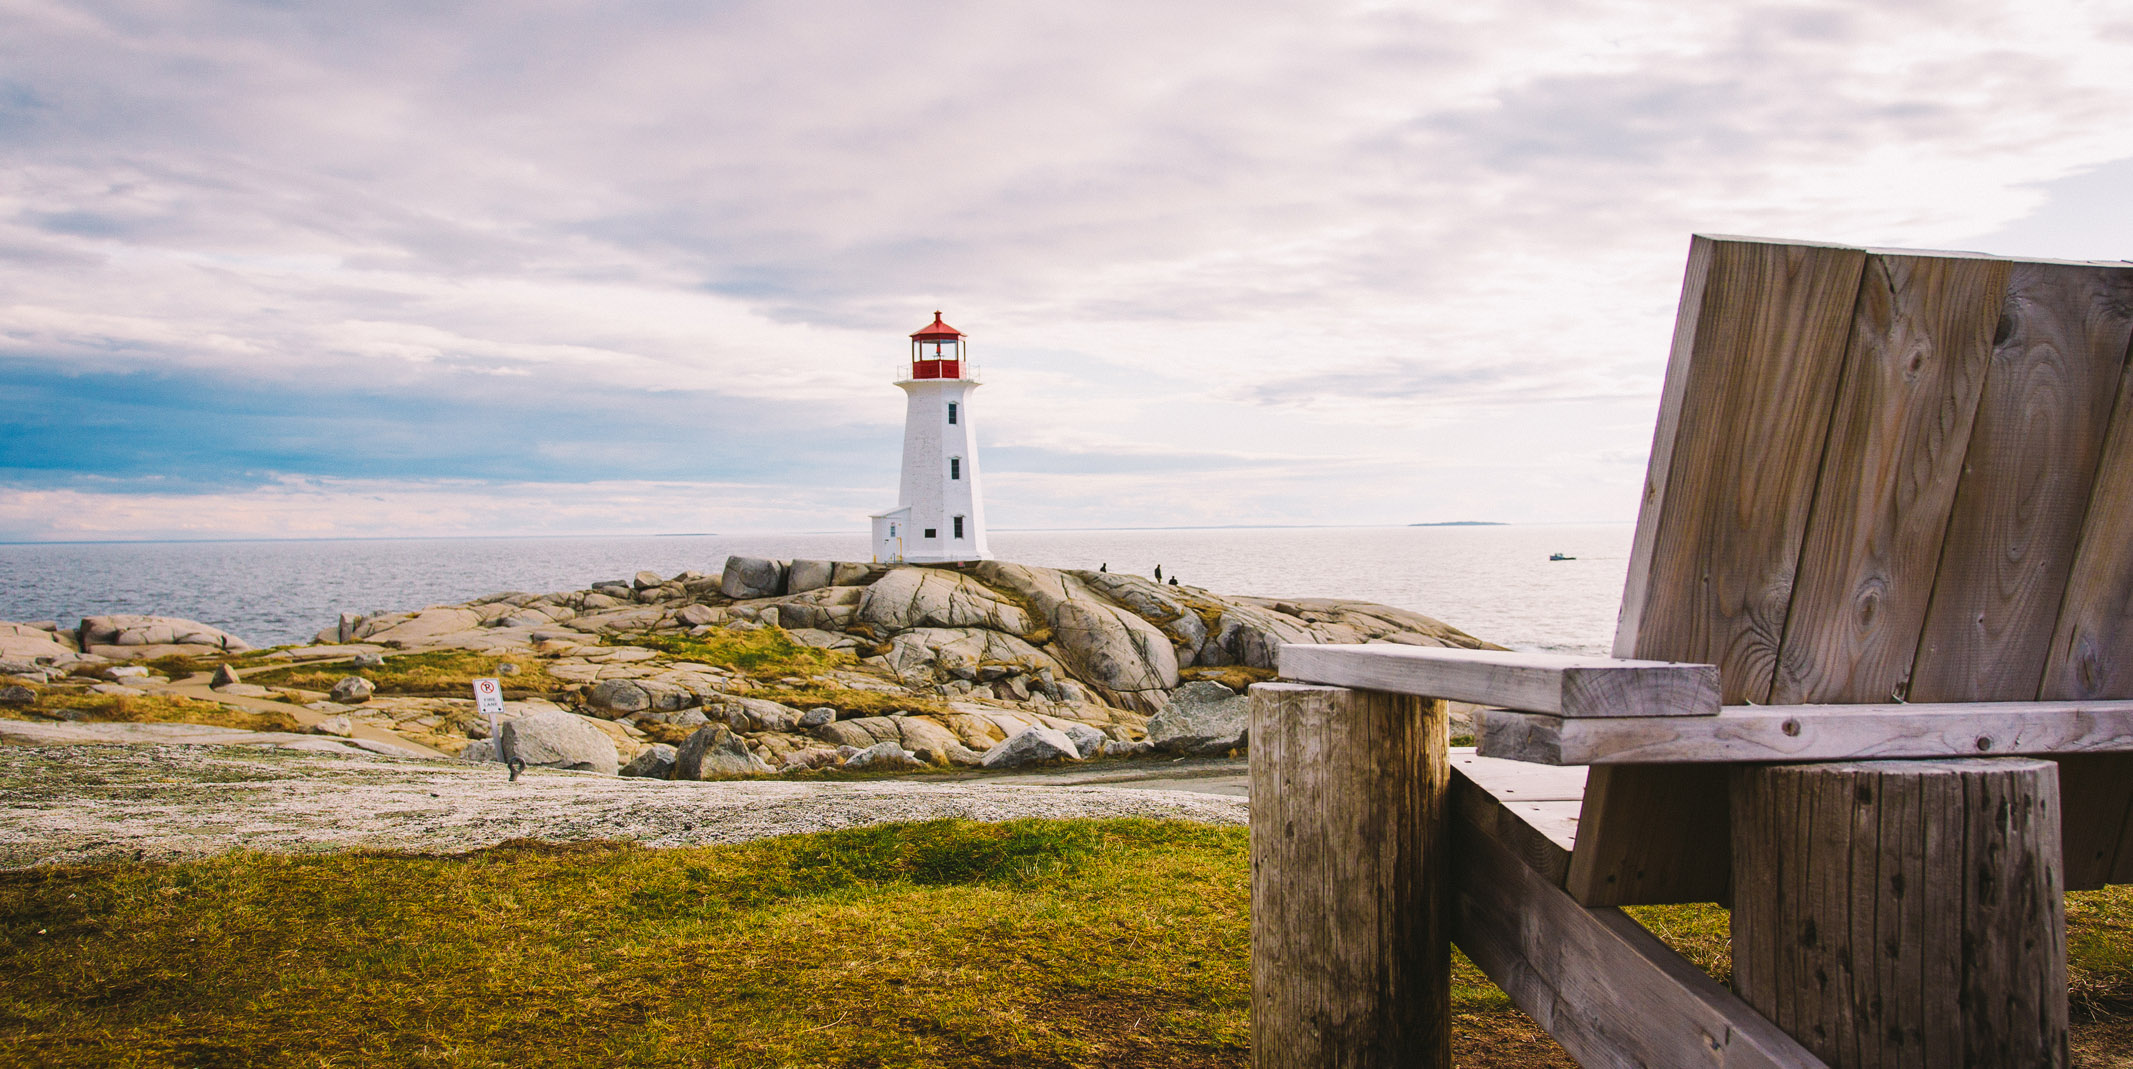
(304, 270)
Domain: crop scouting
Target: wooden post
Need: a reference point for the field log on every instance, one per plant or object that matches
(1351, 959)
(1903, 912)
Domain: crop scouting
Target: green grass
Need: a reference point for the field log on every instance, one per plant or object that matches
(435, 674)
(763, 651)
(1033, 943)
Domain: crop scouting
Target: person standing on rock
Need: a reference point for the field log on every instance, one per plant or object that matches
(1104, 567)
(1158, 573)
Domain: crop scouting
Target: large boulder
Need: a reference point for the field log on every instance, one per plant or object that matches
(1032, 746)
(618, 697)
(131, 636)
(556, 739)
(910, 597)
(806, 575)
(716, 751)
(1203, 717)
(753, 577)
(442, 625)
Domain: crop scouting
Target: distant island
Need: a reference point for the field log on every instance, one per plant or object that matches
(1461, 523)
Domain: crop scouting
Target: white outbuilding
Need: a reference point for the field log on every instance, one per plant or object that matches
(940, 509)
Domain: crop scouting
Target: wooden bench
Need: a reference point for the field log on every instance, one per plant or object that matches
(1869, 689)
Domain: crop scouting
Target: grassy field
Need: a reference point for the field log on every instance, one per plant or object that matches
(1038, 943)
(63, 703)
(435, 674)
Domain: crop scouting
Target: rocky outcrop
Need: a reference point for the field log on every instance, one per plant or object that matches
(1202, 718)
(716, 751)
(938, 597)
(1127, 659)
(556, 739)
(1033, 746)
(133, 636)
(753, 577)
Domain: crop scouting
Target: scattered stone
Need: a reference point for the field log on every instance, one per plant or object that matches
(654, 763)
(716, 751)
(883, 756)
(17, 695)
(338, 724)
(119, 689)
(369, 660)
(506, 668)
(818, 716)
(354, 690)
(647, 580)
(556, 739)
(480, 750)
(1203, 717)
(124, 672)
(245, 690)
(223, 677)
(1127, 747)
(1033, 745)
(698, 615)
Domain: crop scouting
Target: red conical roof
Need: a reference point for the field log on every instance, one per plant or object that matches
(936, 331)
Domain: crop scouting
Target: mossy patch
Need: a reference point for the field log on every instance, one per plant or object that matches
(433, 674)
(762, 651)
(1237, 677)
(74, 704)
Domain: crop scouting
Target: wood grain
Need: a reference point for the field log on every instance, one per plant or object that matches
(1530, 810)
(1536, 682)
(2092, 643)
(1608, 990)
(1813, 733)
(1677, 856)
(1903, 913)
(1921, 340)
(1350, 953)
(2019, 509)
(1747, 435)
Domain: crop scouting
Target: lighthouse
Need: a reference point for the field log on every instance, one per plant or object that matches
(940, 510)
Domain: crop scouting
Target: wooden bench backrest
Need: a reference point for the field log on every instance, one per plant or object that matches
(1877, 475)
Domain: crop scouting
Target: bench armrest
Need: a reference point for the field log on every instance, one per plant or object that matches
(1565, 686)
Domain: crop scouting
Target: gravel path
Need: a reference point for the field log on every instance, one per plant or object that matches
(73, 804)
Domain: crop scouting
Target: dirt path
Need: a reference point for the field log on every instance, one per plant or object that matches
(72, 804)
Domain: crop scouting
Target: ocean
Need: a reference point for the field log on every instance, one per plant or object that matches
(1495, 582)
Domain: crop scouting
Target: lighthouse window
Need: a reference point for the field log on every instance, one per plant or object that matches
(951, 413)
(959, 527)
(929, 532)
(955, 467)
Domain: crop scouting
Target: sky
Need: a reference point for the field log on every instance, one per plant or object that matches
(280, 270)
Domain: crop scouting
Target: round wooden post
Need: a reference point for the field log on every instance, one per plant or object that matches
(1903, 912)
(1351, 959)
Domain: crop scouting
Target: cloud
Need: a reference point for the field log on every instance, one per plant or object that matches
(571, 243)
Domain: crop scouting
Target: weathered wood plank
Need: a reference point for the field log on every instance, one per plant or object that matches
(2019, 509)
(2092, 644)
(1680, 858)
(1758, 347)
(1737, 457)
(1921, 340)
(1350, 953)
(2096, 792)
(1536, 682)
(1813, 733)
(1608, 990)
(1531, 810)
(1947, 946)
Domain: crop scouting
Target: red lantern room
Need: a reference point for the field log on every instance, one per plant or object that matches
(937, 351)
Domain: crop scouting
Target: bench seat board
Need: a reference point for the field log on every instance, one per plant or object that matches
(1534, 682)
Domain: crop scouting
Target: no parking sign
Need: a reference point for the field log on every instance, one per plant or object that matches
(489, 701)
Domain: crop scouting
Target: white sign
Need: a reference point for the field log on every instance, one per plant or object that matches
(488, 696)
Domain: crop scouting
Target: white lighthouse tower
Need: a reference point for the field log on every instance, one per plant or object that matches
(940, 512)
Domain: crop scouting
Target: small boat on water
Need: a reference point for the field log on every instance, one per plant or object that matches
(1560, 556)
